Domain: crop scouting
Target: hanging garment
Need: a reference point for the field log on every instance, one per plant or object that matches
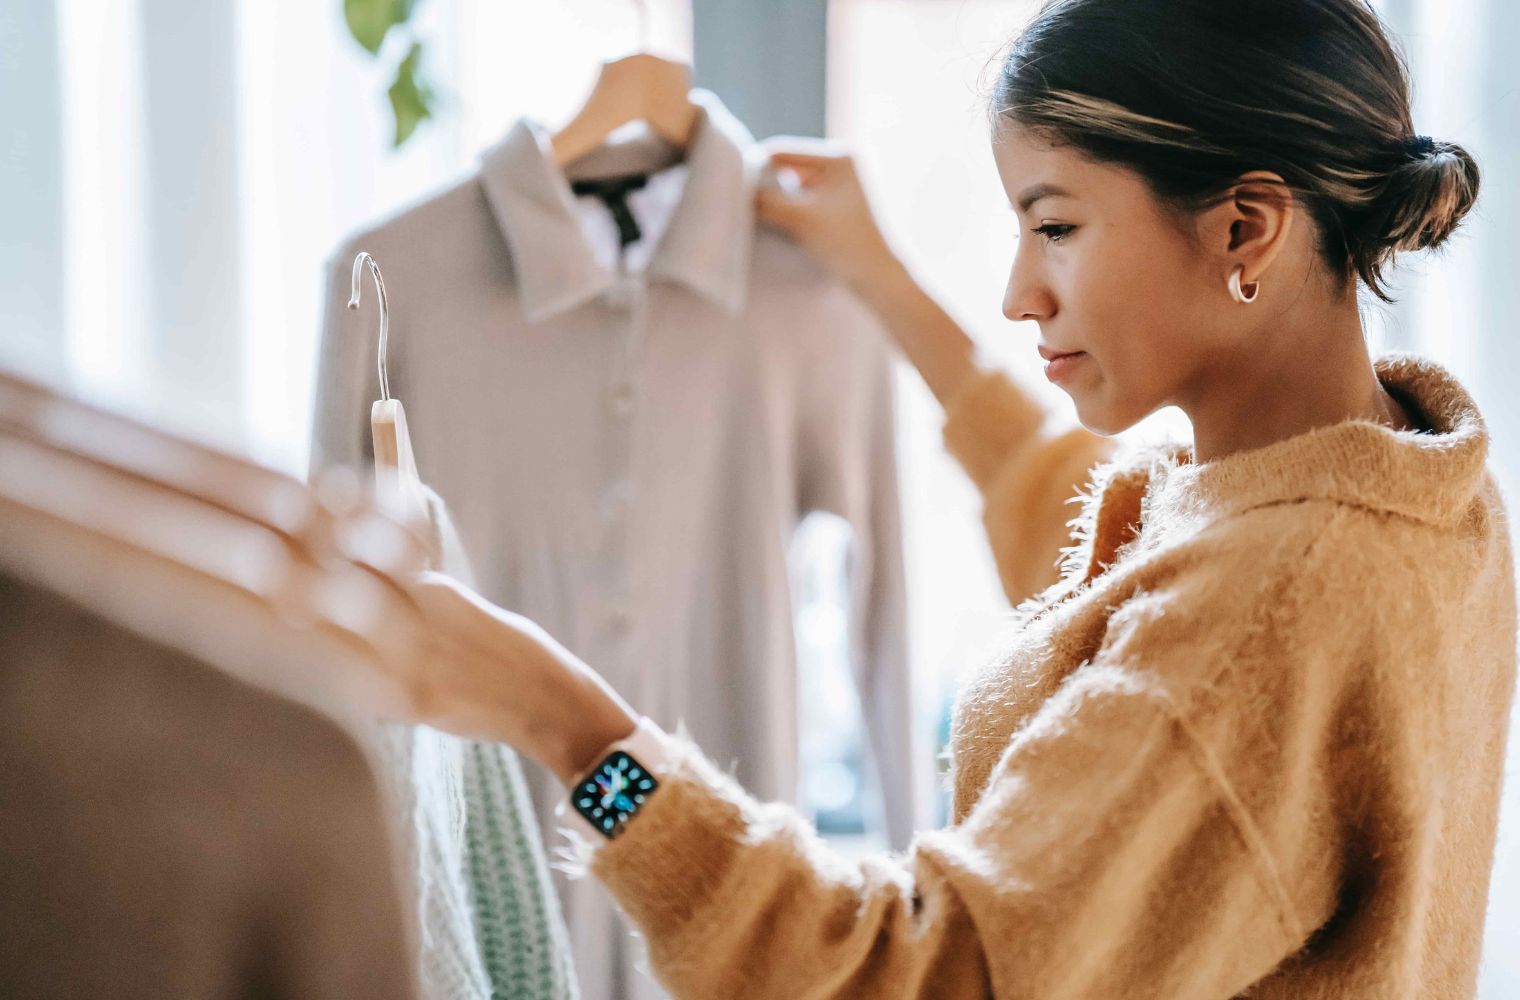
(488, 922)
(627, 435)
(244, 569)
(519, 929)
(169, 832)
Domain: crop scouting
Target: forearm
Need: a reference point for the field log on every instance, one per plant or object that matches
(563, 719)
(930, 338)
(490, 674)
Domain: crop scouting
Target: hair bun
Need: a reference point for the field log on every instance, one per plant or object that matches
(1419, 145)
(1424, 199)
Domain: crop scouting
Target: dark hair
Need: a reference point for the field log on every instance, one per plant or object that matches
(1190, 94)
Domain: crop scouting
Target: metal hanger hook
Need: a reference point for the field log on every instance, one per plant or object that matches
(385, 314)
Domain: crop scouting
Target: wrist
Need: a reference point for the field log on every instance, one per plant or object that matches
(594, 719)
(607, 795)
(882, 281)
(875, 271)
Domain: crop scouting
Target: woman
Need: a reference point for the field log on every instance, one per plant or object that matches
(1251, 738)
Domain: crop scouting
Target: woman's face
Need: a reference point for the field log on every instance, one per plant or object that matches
(1103, 271)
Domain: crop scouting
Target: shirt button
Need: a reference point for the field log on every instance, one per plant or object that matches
(620, 401)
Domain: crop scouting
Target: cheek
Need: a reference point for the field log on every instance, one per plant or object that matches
(1129, 298)
(1124, 297)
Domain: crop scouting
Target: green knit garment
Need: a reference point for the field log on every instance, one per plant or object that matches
(518, 925)
(491, 918)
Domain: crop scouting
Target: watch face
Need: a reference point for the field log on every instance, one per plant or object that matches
(613, 793)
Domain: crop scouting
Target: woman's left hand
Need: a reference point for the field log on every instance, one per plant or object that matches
(492, 674)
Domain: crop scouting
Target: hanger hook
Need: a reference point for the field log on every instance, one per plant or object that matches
(385, 315)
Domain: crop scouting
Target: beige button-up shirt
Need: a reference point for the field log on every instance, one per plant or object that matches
(627, 439)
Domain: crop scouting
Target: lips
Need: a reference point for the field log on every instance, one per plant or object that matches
(1059, 368)
(1051, 355)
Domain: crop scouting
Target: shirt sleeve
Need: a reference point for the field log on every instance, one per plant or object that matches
(1108, 855)
(1027, 469)
(848, 467)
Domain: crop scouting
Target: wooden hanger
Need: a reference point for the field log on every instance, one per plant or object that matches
(387, 418)
(641, 87)
(396, 479)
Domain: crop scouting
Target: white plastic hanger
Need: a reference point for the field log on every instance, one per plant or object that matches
(641, 87)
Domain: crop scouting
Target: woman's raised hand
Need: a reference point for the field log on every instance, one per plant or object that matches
(827, 213)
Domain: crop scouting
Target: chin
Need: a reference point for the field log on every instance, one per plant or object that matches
(1101, 421)
(1102, 430)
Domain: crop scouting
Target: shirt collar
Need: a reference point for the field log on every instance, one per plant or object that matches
(705, 247)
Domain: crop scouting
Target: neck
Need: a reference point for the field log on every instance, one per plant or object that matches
(1288, 380)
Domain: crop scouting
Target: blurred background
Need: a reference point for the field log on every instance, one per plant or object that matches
(174, 173)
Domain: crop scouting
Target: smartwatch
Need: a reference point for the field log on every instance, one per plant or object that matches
(606, 798)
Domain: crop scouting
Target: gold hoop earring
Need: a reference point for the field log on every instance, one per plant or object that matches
(1236, 292)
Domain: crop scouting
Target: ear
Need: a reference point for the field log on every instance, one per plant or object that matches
(1251, 225)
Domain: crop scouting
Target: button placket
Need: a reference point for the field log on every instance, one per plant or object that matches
(627, 297)
(618, 501)
(620, 400)
(621, 619)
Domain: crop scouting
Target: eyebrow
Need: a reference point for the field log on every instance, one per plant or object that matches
(1035, 192)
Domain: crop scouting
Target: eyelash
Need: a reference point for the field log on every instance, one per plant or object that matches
(1046, 231)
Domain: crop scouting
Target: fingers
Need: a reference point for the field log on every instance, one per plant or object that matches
(447, 603)
(779, 208)
(426, 585)
(808, 156)
(450, 604)
(806, 164)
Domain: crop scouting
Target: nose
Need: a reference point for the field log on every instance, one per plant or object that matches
(1027, 297)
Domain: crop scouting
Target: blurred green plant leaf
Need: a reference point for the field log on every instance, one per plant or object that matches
(412, 99)
(369, 20)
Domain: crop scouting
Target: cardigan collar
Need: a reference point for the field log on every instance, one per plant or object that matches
(1431, 476)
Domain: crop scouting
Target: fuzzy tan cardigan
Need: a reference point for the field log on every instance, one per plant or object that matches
(1247, 741)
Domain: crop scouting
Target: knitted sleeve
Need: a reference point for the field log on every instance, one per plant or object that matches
(1027, 471)
(1127, 843)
